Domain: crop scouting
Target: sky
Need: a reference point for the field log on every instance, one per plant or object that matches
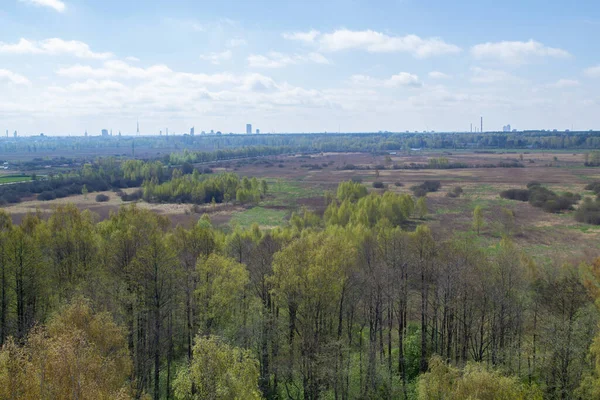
(70, 66)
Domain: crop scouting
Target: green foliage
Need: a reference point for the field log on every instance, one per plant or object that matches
(78, 355)
(478, 220)
(199, 189)
(371, 209)
(218, 371)
(421, 207)
(351, 191)
(475, 381)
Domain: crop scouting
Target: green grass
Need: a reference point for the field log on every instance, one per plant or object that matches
(14, 178)
(264, 217)
(286, 193)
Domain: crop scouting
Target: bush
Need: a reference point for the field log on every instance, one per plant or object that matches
(533, 184)
(101, 198)
(588, 212)
(515, 194)
(426, 187)
(132, 196)
(399, 184)
(594, 187)
(45, 196)
(378, 185)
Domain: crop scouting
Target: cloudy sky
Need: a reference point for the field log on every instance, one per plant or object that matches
(67, 66)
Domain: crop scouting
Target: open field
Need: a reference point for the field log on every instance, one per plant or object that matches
(4, 179)
(301, 181)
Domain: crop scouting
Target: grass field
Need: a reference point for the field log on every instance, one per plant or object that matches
(14, 178)
(283, 192)
(293, 184)
(264, 217)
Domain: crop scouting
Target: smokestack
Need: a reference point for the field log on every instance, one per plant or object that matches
(481, 125)
(471, 127)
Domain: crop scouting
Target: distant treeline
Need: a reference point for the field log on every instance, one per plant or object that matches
(105, 174)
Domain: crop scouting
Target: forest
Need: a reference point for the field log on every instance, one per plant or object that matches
(364, 302)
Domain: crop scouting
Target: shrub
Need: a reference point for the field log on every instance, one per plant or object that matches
(101, 198)
(426, 187)
(45, 196)
(399, 184)
(132, 196)
(588, 212)
(594, 187)
(515, 194)
(378, 185)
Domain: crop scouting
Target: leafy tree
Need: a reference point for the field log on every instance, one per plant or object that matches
(475, 381)
(78, 355)
(478, 220)
(421, 207)
(218, 371)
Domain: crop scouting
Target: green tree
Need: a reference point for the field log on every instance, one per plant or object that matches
(218, 371)
(421, 207)
(475, 381)
(78, 355)
(478, 220)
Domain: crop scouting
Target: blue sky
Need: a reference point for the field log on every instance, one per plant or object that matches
(67, 66)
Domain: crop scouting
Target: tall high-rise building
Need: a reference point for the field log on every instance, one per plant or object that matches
(481, 130)
(104, 132)
(138, 127)
(192, 131)
(249, 129)
(258, 131)
(15, 134)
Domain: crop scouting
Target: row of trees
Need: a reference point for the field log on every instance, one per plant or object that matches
(200, 189)
(318, 309)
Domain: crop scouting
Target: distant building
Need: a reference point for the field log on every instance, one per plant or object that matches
(192, 131)
(258, 131)
(15, 134)
(212, 131)
(104, 132)
(85, 133)
(506, 128)
(203, 133)
(249, 129)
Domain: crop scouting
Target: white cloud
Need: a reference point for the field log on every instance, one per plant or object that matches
(375, 42)
(516, 52)
(593, 72)
(133, 59)
(57, 5)
(279, 60)
(217, 58)
(564, 83)
(13, 77)
(237, 42)
(400, 79)
(438, 75)
(92, 84)
(481, 75)
(307, 37)
(53, 46)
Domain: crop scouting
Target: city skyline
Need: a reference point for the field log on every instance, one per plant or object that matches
(74, 65)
